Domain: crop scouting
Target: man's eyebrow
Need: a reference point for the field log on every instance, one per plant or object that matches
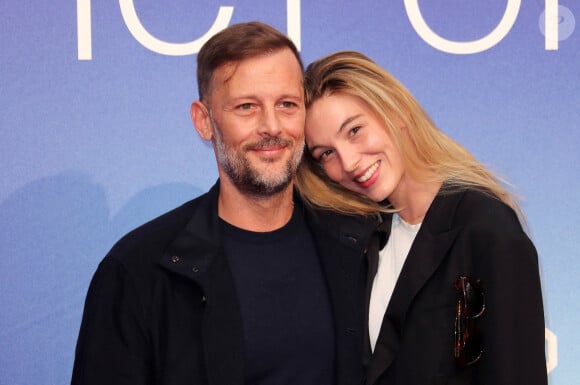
(292, 95)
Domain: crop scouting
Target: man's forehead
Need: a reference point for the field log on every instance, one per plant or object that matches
(227, 71)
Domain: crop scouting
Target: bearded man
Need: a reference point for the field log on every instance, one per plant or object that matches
(244, 284)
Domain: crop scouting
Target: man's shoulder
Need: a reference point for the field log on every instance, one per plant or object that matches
(351, 230)
(149, 240)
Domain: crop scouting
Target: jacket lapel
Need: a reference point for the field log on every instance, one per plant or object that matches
(427, 252)
(341, 243)
(197, 255)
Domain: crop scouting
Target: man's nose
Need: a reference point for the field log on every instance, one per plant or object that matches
(270, 123)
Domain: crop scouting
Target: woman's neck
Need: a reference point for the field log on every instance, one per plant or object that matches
(413, 199)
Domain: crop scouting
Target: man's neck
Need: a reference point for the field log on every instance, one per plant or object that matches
(255, 213)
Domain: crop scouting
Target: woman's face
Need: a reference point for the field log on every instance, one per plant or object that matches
(351, 143)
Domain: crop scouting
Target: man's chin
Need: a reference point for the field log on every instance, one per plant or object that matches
(264, 189)
(262, 177)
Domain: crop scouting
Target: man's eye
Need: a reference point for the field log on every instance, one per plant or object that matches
(244, 106)
(287, 104)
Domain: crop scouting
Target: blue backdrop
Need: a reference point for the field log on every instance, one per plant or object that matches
(96, 136)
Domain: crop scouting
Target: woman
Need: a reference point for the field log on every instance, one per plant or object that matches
(456, 297)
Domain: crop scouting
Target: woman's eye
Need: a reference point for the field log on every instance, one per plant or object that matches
(323, 155)
(353, 130)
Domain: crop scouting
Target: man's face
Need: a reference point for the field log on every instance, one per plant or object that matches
(257, 115)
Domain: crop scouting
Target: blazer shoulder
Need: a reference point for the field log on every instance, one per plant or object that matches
(493, 227)
(478, 208)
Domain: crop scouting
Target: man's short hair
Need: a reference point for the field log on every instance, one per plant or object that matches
(236, 43)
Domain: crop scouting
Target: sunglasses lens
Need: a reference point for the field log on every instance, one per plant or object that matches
(472, 349)
(474, 300)
(468, 347)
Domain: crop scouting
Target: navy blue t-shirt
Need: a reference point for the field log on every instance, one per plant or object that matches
(286, 314)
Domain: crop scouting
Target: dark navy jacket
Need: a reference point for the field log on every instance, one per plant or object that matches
(162, 308)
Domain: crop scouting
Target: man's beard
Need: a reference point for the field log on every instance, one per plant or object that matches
(247, 178)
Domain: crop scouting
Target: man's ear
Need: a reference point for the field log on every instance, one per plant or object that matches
(201, 120)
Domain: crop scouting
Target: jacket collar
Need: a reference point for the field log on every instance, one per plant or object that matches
(192, 251)
(434, 239)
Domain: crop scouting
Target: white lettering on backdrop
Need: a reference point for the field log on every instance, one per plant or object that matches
(553, 18)
(140, 33)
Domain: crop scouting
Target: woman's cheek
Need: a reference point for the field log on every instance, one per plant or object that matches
(333, 171)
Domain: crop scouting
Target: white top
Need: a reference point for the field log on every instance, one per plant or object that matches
(391, 259)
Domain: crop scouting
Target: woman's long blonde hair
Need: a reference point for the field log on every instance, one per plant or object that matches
(428, 154)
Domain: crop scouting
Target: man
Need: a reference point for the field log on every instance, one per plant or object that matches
(243, 285)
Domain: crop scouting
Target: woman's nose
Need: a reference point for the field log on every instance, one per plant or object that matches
(349, 160)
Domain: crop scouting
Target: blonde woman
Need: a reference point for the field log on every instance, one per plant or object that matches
(454, 293)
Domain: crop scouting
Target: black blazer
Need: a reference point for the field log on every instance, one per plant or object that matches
(473, 234)
(162, 307)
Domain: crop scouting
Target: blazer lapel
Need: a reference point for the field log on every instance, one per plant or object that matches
(376, 243)
(427, 252)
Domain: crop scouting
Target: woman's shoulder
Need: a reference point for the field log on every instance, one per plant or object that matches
(477, 208)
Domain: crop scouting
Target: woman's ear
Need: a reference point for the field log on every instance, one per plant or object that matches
(201, 120)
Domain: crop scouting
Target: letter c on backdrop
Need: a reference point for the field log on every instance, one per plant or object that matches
(172, 49)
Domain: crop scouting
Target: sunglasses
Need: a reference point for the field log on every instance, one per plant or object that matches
(468, 347)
